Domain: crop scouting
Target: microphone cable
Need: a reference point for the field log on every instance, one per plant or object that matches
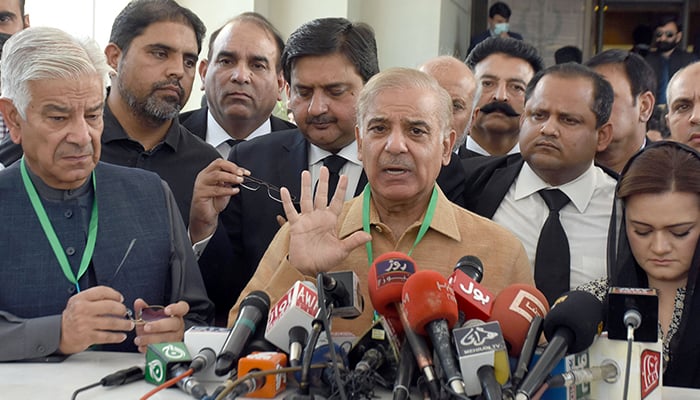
(118, 378)
(325, 316)
(230, 384)
(168, 384)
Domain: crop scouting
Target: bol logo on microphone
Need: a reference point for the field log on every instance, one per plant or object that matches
(650, 367)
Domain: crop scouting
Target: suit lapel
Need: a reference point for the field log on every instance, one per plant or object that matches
(496, 188)
(294, 161)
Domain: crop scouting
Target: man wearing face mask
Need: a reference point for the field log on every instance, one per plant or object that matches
(499, 15)
(667, 59)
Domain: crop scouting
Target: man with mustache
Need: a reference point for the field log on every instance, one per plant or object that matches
(153, 48)
(683, 117)
(242, 79)
(404, 137)
(502, 67)
(563, 125)
(83, 241)
(668, 58)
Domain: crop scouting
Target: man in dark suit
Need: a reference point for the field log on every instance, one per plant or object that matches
(499, 17)
(243, 80)
(502, 67)
(668, 57)
(326, 62)
(634, 84)
(563, 126)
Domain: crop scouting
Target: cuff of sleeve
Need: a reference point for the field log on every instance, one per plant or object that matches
(198, 248)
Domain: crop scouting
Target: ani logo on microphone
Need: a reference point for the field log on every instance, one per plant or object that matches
(650, 370)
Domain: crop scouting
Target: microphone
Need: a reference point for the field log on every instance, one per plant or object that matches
(473, 299)
(297, 337)
(169, 360)
(386, 278)
(254, 308)
(515, 307)
(481, 348)
(270, 385)
(203, 359)
(404, 375)
(608, 372)
(376, 349)
(529, 346)
(626, 306)
(570, 326)
(431, 308)
(297, 308)
(342, 290)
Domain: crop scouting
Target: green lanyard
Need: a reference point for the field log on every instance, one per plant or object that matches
(51, 234)
(367, 193)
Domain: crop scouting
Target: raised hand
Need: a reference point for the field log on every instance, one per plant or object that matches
(314, 245)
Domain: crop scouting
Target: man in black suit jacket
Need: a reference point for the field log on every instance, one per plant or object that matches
(326, 62)
(564, 124)
(243, 80)
(634, 85)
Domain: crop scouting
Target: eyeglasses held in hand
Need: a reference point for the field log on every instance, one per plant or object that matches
(147, 314)
(254, 184)
(668, 34)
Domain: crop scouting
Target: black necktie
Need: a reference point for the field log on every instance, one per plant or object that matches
(334, 163)
(233, 142)
(552, 259)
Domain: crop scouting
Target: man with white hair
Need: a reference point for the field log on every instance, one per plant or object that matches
(83, 241)
(404, 137)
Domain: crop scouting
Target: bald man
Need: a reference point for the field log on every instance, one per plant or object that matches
(455, 77)
(683, 96)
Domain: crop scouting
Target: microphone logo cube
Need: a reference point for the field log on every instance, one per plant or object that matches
(482, 338)
(161, 356)
(650, 370)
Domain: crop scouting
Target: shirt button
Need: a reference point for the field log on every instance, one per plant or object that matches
(70, 251)
(71, 289)
(378, 228)
(68, 213)
(40, 349)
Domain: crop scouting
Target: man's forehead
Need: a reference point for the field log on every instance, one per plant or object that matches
(502, 62)
(323, 70)
(687, 81)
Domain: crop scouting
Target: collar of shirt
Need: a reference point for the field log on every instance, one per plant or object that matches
(580, 190)
(317, 154)
(216, 135)
(475, 147)
(113, 130)
(444, 219)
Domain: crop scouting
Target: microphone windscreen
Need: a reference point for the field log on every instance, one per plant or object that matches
(427, 296)
(514, 308)
(472, 266)
(257, 299)
(580, 312)
(386, 278)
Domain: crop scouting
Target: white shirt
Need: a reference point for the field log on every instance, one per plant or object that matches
(475, 147)
(585, 219)
(352, 169)
(217, 136)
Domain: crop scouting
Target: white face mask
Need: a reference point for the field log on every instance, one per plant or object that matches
(500, 28)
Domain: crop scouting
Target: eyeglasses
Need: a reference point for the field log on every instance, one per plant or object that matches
(147, 314)
(668, 34)
(254, 184)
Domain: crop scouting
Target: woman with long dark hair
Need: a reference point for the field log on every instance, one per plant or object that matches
(657, 247)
